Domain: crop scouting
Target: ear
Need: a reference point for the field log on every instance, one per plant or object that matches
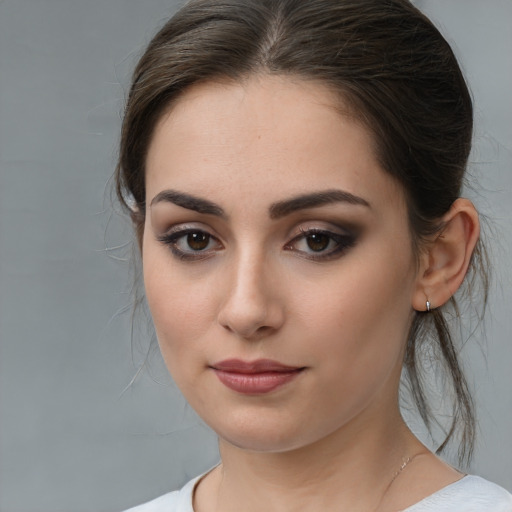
(445, 260)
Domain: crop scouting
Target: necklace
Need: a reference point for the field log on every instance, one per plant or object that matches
(405, 462)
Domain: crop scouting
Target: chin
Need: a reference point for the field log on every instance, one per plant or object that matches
(272, 436)
(262, 442)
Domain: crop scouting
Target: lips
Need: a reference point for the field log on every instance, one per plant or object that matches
(254, 377)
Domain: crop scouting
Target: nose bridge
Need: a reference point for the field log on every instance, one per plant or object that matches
(250, 307)
(249, 272)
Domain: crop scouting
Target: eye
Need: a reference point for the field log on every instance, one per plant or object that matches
(198, 241)
(190, 243)
(317, 244)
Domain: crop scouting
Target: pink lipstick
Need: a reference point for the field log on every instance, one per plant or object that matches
(254, 377)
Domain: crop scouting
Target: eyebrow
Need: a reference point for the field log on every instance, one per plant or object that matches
(276, 210)
(189, 202)
(314, 200)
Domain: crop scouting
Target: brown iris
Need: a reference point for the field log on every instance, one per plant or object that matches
(198, 241)
(318, 242)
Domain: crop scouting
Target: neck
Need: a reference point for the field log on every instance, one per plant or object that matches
(350, 469)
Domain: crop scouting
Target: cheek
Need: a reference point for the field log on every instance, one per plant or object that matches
(361, 314)
(180, 307)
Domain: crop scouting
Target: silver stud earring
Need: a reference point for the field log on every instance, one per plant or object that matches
(428, 306)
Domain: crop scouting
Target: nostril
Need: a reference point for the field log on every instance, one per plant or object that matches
(251, 310)
(253, 332)
(264, 329)
(261, 332)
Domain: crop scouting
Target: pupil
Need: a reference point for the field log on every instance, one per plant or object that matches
(198, 241)
(318, 242)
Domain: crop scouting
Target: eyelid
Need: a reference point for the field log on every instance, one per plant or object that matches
(345, 240)
(171, 237)
(187, 227)
(343, 237)
(323, 227)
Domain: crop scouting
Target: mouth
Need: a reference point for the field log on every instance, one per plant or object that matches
(254, 377)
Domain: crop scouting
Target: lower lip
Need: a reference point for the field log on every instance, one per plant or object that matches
(255, 383)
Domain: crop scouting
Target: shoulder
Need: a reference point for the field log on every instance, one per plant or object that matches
(168, 503)
(176, 501)
(469, 494)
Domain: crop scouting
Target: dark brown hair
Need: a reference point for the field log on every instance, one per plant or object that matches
(399, 77)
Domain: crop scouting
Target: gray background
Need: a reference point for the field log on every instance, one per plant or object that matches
(70, 439)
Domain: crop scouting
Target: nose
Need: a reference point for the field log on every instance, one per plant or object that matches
(251, 308)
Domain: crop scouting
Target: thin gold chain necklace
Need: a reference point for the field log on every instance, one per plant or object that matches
(405, 462)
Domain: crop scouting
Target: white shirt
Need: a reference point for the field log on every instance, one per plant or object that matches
(470, 494)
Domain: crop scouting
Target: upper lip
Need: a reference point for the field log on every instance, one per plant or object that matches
(248, 367)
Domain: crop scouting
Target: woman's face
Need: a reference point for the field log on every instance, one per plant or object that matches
(277, 263)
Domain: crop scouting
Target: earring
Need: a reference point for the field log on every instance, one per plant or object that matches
(428, 306)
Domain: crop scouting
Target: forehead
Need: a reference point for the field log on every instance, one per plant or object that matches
(268, 133)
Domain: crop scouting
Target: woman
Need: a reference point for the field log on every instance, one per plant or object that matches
(293, 170)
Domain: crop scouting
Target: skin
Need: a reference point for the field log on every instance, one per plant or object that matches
(258, 290)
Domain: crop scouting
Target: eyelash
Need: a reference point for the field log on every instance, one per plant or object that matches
(171, 240)
(343, 242)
